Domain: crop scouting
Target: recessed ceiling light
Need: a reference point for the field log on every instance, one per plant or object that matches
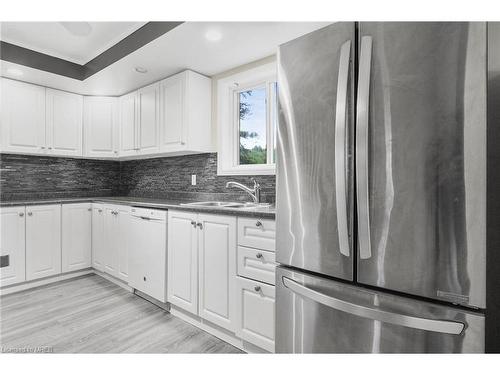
(140, 69)
(213, 35)
(15, 72)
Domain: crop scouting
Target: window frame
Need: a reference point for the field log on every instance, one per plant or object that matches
(228, 89)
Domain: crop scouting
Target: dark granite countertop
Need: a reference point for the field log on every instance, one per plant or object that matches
(268, 212)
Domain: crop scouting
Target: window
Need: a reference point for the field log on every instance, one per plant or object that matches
(247, 122)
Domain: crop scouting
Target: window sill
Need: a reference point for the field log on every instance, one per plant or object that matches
(246, 170)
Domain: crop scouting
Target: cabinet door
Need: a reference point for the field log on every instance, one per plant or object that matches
(76, 236)
(22, 117)
(109, 255)
(122, 241)
(64, 119)
(12, 245)
(172, 137)
(117, 231)
(100, 127)
(43, 241)
(217, 269)
(149, 116)
(128, 124)
(182, 284)
(98, 237)
(255, 306)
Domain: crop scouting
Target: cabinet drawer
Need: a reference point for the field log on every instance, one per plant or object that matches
(256, 264)
(256, 313)
(257, 233)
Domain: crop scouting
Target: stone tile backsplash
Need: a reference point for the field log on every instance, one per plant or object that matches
(26, 177)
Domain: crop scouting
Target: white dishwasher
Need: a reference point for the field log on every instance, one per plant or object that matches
(148, 252)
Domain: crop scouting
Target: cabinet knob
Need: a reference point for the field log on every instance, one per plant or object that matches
(89, 209)
(30, 213)
(259, 255)
(193, 223)
(21, 214)
(258, 223)
(200, 225)
(99, 210)
(50, 148)
(257, 288)
(144, 278)
(42, 147)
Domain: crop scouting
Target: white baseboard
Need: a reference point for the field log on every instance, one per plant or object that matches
(6, 290)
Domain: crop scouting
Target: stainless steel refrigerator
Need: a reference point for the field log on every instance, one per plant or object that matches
(381, 189)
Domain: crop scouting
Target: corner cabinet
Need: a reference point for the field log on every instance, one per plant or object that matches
(140, 122)
(185, 113)
(101, 127)
(76, 236)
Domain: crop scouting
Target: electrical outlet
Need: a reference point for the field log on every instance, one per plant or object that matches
(193, 179)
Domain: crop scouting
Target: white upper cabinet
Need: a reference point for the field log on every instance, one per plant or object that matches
(22, 117)
(100, 126)
(185, 113)
(64, 117)
(76, 236)
(12, 245)
(149, 116)
(128, 121)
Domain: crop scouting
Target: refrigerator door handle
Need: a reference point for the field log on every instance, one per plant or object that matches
(440, 326)
(340, 148)
(362, 119)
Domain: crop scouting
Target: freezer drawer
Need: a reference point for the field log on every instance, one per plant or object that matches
(318, 315)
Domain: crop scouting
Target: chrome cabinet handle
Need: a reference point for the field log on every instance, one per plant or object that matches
(257, 288)
(362, 115)
(259, 255)
(21, 214)
(340, 148)
(200, 225)
(258, 223)
(441, 326)
(30, 213)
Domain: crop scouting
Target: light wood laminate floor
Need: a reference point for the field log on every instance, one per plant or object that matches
(92, 315)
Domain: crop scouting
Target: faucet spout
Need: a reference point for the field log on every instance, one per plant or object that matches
(254, 193)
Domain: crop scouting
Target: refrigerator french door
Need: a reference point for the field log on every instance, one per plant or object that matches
(409, 129)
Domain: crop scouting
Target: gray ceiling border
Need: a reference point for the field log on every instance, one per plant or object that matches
(37, 60)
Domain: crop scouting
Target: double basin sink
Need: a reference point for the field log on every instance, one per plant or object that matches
(229, 205)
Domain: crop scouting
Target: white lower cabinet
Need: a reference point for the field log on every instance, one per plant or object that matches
(12, 245)
(43, 241)
(217, 269)
(98, 237)
(182, 275)
(116, 240)
(255, 305)
(76, 236)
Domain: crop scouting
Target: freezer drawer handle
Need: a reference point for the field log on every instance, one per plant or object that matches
(362, 118)
(441, 326)
(340, 148)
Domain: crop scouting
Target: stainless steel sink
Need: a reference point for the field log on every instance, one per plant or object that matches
(229, 205)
